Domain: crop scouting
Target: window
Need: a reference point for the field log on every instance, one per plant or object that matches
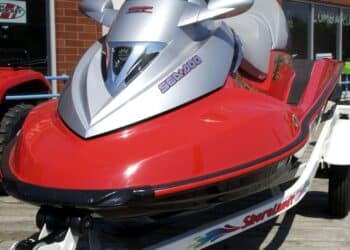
(298, 16)
(26, 39)
(346, 35)
(326, 22)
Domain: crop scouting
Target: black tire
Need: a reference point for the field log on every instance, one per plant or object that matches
(339, 191)
(10, 124)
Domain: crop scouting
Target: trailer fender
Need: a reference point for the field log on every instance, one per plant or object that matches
(12, 80)
(336, 150)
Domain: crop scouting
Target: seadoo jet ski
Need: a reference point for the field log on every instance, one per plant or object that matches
(181, 106)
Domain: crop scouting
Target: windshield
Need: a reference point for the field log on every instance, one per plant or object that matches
(122, 62)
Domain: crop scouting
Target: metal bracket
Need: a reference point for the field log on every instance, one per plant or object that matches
(44, 241)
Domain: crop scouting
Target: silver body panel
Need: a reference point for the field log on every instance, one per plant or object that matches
(192, 56)
(100, 10)
(268, 30)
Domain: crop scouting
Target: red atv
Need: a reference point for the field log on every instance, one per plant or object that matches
(13, 111)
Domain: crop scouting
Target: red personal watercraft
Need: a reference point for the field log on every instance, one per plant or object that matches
(173, 110)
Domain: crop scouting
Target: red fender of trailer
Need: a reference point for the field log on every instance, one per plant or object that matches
(10, 78)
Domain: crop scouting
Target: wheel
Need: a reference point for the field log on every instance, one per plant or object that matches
(339, 191)
(2, 191)
(10, 124)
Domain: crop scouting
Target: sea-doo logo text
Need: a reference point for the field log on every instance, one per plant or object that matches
(140, 9)
(175, 77)
(11, 11)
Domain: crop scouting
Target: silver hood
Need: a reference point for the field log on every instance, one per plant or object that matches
(156, 57)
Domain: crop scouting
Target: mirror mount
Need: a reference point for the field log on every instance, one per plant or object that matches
(101, 11)
(216, 9)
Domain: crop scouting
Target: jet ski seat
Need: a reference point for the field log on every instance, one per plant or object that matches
(261, 29)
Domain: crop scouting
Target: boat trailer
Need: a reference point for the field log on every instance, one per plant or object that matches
(327, 150)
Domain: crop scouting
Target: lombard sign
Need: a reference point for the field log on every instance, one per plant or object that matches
(13, 11)
(327, 17)
(331, 17)
(346, 20)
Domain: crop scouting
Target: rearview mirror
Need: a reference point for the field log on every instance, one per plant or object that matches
(101, 11)
(216, 9)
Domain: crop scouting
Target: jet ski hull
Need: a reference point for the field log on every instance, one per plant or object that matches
(226, 145)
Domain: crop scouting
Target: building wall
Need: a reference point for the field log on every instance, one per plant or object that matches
(318, 28)
(74, 34)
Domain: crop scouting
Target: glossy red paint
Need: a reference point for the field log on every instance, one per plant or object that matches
(218, 132)
(282, 75)
(279, 78)
(323, 71)
(10, 78)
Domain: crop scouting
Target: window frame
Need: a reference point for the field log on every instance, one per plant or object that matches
(311, 29)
